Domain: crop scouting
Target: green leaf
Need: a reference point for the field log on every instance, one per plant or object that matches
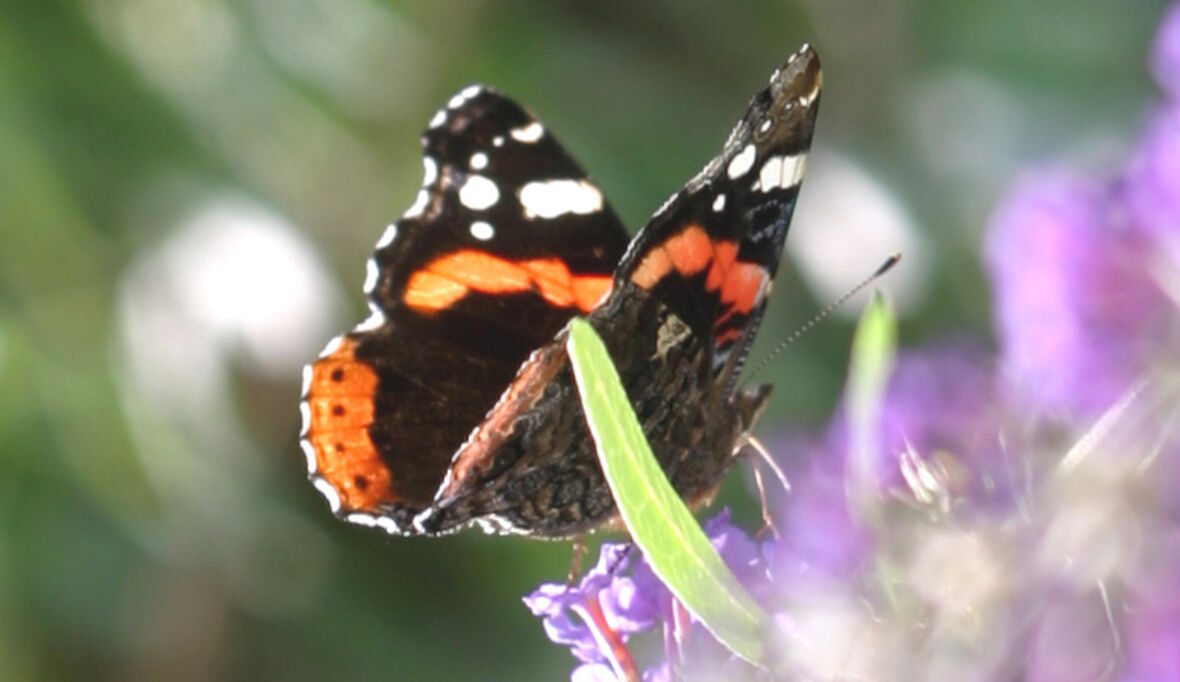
(874, 349)
(659, 522)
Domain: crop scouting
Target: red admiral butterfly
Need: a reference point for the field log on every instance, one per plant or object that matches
(454, 403)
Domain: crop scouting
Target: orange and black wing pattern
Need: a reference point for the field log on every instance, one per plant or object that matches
(506, 240)
(454, 403)
(686, 302)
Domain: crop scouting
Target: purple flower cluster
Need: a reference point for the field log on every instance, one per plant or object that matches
(622, 596)
(1087, 271)
(1022, 521)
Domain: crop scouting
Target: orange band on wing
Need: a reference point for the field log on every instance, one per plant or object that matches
(552, 279)
(655, 265)
(451, 277)
(742, 285)
(589, 290)
(433, 292)
(725, 254)
(689, 252)
(340, 402)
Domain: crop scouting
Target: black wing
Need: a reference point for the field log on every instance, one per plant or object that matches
(505, 242)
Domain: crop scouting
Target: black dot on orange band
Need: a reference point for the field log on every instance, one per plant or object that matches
(338, 410)
(361, 482)
(338, 374)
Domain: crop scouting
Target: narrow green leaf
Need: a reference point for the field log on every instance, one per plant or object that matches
(659, 522)
(874, 349)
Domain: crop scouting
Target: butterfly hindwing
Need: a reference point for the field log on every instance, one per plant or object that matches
(506, 240)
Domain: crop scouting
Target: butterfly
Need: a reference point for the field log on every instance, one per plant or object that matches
(454, 403)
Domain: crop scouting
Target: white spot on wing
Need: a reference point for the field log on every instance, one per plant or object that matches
(375, 319)
(719, 203)
(309, 450)
(498, 141)
(530, 133)
(438, 119)
(373, 521)
(551, 198)
(371, 275)
(479, 193)
(463, 95)
(304, 423)
(494, 524)
(479, 161)
(387, 236)
(782, 172)
(741, 164)
(482, 231)
(329, 493)
(332, 346)
(362, 519)
(418, 206)
(429, 172)
(306, 381)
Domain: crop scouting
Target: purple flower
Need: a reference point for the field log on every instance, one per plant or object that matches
(1080, 266)
(1165, 57)
(632, 599)
(1151, 186)
(593, 672)
(938, 422)
(558, 604)
(1152, 623)
(820, 537)
(1076, 298)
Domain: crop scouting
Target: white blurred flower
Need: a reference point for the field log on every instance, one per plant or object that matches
(234, 287)
(846, 225)
(234, 283)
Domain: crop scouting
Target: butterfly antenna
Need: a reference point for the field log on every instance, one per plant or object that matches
(828, 310)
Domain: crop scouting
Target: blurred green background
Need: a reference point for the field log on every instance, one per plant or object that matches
(189, 190)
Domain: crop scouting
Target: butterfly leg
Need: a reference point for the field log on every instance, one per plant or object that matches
(767, 517)
(764, 457)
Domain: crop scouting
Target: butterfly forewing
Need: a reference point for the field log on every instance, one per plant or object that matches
(712, 251)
